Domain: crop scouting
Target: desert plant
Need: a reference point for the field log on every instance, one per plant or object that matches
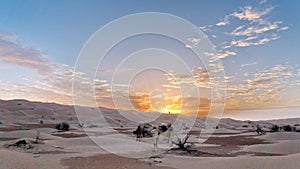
(287, 128)
(259, 130)
(181, 142)
(64, 126)
(37, 137)
(275, 128)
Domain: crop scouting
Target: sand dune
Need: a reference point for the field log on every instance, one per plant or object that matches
(234, 144)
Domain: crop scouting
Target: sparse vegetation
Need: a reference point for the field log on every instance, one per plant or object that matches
(275, 128)
(287, 128)
(64, 126)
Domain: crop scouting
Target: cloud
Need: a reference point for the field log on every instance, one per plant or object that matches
(7, 35)
(52, 81)
(250, 14)
(192, 42)
(206, 28)
(251, 42)
(200, 78)
(283, 28)
(220, 55)
(263, 2)
(250, 25)
(10, 90)
(262, 88)
(141, 102)
(224, 22)
(13, 52)
(252, 30)
(257, 30)
(248, 64)
(188, 46)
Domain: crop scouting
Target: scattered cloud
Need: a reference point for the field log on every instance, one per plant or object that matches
(13, 52)
(34, 93)
(220, 55)
(255, 27)
(250, 25)
(250, 14)
(192, 42)
(260, 41)
(52, 82)
(262, 88)
(206, 28)
(253, 30)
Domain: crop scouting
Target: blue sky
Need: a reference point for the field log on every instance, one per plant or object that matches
(52, 33)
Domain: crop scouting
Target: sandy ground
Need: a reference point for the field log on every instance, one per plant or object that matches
(274, 162)
(233, 145)
(109, 161)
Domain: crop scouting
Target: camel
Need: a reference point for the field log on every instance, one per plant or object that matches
(180, 141)
(160, 130)
(139, 133)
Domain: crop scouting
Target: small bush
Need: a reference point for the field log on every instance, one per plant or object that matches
(275, 128)
(287, 128)
(64, 126)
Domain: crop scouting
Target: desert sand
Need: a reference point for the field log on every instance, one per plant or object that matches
(235, 144)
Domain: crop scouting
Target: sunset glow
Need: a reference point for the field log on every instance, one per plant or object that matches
(255, 42)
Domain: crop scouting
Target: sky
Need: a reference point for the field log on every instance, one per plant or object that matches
(256, 41)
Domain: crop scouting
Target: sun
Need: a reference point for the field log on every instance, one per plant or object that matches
(165, 110)
(170, 111)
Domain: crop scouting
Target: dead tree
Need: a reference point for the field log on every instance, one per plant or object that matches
(181, 142)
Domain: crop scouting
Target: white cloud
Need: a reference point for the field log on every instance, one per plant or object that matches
(220, 55)
(263, 2)
(249, 26)
(206, 28)
(188, 46)
(248, 64)
(193, 42)
(250, 14)
(284, 28)
(261, 41)
(224, 22)
(252, 30)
